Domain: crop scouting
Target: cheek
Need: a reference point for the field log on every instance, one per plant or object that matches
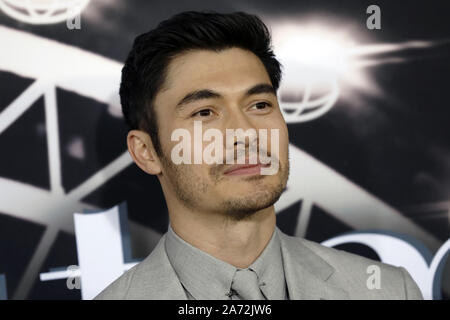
(285, 139)
(196, 172)
(283, 135)
(183, 142)
(165, 140)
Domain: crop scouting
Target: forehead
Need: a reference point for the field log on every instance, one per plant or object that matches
(230, 71)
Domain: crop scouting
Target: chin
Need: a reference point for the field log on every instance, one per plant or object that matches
(243, 203)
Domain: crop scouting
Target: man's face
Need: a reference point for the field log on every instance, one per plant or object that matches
(229, 74)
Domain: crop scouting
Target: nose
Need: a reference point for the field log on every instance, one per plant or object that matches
(241, 135)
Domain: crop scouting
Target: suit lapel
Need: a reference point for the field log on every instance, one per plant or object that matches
(307, 273)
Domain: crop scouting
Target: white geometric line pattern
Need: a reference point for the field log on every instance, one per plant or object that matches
(31, 56)
(42, 12)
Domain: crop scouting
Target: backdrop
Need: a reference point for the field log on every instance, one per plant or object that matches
(364, 94)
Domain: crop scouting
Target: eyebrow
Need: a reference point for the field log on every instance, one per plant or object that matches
(210, 94)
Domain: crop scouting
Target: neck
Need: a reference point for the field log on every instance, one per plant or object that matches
(238, 243)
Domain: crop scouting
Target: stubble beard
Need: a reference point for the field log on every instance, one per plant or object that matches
(190, 189)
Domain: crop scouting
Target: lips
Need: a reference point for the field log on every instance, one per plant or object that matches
(244, 169)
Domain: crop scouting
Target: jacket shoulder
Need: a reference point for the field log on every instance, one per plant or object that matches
(118, 289)
(357, 274)
(151, 279)
(142, 274)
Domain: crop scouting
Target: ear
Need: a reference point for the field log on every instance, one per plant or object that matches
(141, 149)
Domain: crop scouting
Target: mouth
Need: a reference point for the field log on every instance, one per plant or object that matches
(245, 169)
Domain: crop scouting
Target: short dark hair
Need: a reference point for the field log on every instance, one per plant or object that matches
(145, 68)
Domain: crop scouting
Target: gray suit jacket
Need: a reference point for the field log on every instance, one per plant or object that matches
(312, 271)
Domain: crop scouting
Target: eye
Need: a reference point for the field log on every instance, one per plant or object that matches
(203, 113)
(262, 105)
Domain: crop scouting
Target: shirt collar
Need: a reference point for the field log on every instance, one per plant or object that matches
(206, 277)
(202, 275)
(270, 271)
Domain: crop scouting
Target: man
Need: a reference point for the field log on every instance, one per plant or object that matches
(218, 70)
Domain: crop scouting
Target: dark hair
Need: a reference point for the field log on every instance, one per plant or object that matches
(145, 68)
